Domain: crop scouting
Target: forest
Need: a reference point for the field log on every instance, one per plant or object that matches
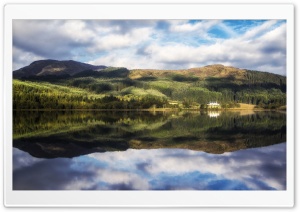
(120, 88)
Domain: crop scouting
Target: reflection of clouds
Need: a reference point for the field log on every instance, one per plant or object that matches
(259, 168)
(53, 174)
(82, 173)
(22, 159)
(118, 179)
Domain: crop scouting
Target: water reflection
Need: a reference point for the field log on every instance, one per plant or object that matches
(149, 151)
(213, 114)
(160, 169)
(49, 135)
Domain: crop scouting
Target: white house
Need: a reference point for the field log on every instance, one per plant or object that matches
(213, 105)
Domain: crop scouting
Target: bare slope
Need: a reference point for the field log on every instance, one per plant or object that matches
(203, 72)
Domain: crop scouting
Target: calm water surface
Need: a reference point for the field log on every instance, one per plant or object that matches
(149, 151)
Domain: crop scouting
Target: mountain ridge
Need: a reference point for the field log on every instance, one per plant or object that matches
(54, 67)
(71, 68)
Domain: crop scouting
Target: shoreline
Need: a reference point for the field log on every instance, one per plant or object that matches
(154, 110)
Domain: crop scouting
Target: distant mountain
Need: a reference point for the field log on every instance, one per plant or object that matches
(54, 68)
(215, 71)
(48, 68)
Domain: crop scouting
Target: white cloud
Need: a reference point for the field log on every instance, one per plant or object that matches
(22, 58)
(46, 39)
(227, 29)
(112, 42)
(185, 26)
(173, 53)
(127, 59)
(278, 32)
(76, 30)
(260, 29)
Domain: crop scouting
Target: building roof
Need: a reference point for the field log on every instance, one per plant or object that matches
(213, 103)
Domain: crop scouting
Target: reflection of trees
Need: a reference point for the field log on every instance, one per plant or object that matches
(85, 132)
(28, 124)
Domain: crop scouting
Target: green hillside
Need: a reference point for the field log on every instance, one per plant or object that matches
(120, 88)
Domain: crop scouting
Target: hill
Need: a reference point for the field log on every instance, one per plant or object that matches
(120, 88)
(54, 67)
(217, 70)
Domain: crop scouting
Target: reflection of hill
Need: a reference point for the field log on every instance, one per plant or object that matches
(216, 147)
(73, 134)
(30, 124)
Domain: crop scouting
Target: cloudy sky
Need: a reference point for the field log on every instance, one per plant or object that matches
(157, 44)
(157, 169)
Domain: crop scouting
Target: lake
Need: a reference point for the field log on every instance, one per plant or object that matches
(113, 150)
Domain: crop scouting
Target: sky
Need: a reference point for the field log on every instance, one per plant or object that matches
(155, 169)
(154, 44)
